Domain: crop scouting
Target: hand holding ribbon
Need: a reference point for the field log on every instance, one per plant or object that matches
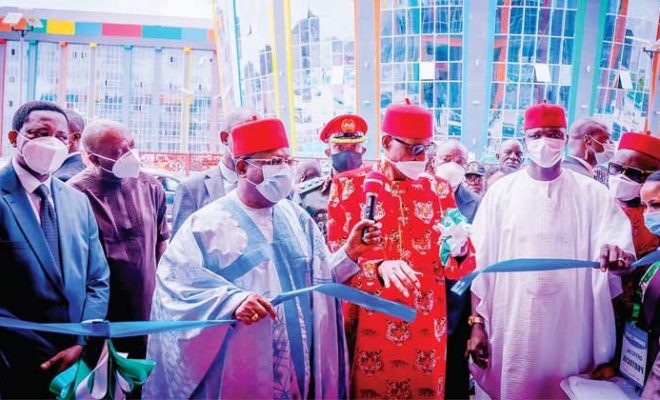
(543, 264)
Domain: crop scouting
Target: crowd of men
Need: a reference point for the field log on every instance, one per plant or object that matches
(84, 236)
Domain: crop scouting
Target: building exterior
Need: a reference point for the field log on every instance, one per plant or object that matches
(157, 75)
(476, 64)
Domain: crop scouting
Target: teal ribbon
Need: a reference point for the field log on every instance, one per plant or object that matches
(541, 264)
(354, 296)
(105, 329)
(133, 372)
(136, 372)
(63, 386)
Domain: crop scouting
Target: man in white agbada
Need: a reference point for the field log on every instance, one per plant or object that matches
(225, 262)
(532, 329)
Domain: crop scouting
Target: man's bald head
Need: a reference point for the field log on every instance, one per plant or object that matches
(76, 124)
(451, 150)
(238, 116)
(586, 138)
(103, 136)
(307, 170)
(106, 142)
(235, 117)
(76, 121)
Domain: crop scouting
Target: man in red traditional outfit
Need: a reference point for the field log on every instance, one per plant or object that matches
(636, 158)
(392, 358)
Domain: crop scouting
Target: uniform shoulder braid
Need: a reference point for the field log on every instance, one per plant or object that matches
(310, 185)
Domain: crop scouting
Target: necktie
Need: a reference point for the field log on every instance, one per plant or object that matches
(49, 224)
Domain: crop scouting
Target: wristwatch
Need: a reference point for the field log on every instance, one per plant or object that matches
(475, 319)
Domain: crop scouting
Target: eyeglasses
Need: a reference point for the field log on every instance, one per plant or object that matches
(415, 149)
(273, 161)
(634, 174)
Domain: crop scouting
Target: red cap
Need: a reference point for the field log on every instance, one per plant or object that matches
(373, 183)
(408, 121)
(647, 144)
(545, 116)
(258, 135)
(345, 128)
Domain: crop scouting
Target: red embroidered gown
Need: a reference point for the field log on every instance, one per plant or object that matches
(393, 359)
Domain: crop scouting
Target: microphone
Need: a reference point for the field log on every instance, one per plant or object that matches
(373, 186)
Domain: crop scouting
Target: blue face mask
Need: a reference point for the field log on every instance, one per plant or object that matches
(652, 221)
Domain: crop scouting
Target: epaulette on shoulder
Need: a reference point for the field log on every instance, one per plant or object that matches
(312, 184)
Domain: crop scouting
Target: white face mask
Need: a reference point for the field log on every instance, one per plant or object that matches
(452, 172)
(608, 152)
(546, 152)
(126, 166)
(44, 155)
(411, 169)
(277, 183)
(624, 189)
(227, 173)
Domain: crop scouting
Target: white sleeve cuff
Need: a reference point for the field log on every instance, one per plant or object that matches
(343, 268)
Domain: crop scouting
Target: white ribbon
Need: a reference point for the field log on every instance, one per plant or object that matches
(95, 385)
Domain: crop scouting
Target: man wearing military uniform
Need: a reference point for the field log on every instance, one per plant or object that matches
(345, 135)
(474, 177)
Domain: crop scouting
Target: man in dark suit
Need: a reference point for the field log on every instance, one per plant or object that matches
(73, 163)
(201, 189)
(450, 163)
(589, 149)
(53, 267)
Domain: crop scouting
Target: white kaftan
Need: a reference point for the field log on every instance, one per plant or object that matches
(545, 326)
(221, 254)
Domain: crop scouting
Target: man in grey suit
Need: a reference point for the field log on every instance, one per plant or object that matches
(201, 189)
(73, 164)
(53, 266)
(589, 149)
(450, 163)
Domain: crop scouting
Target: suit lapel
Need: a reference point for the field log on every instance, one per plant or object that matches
(214, 184)
(19, 203)
(64, 227)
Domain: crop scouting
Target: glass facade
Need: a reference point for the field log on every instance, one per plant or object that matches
(170, 108)
(142, 98)
(199, 102)
(173, 98)
(421, 58)
(625, 69)
(12, 87)
(109, 96)
(151, 90)
(255, 57)
(532, 61)
(77, 78)
(48, 70)
(223, 22)
(323, 53)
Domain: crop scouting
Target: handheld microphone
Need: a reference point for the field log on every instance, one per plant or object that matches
(373, 186)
